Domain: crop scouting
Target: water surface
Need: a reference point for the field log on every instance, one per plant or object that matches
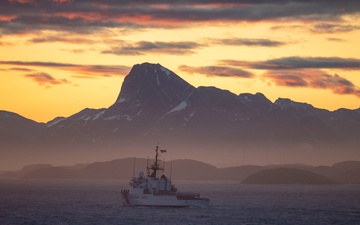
(99, 202)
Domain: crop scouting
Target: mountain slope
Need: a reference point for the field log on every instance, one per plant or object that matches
(16, 127)
(287, 176)
(155, 102)
(185, 169)
(156, 105)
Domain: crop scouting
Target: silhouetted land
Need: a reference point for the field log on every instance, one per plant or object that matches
(287, 176)
(155, 104)
(185, 169)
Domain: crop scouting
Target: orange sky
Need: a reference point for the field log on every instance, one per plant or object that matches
(58, 57)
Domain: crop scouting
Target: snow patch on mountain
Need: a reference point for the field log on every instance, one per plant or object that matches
(113, 118)
(157, 79)
(247, 98)
(84, 117)
(55, 121)
(121, 100)
(97, 116)
(118, 117)
(181, 106)
(285, 103)
(166, 71)
(138, 113)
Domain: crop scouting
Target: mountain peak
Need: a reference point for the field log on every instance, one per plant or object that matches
(149, 69)
(155, 85)
(288, 103)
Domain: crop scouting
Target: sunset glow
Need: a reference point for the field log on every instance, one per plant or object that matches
(61, 56)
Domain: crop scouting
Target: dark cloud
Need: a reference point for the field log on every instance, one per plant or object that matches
(69, 40)
(62, 1)
(23, 1)
(83, 16)
(45, 79)
(333, 28)
(249, 42)
(316, 79)
(158, 47)
(219, 71)
(288, 27)
(21, 69)
(91, 70)
(320, 28)
(257, 10)
(41, 64)
(119, 47)
(36, 23)
(301, 72)
(83, 77)
(76, 51)
(288, 63)
(336, 39)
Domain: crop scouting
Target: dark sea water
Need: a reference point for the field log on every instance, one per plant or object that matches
(99, 202)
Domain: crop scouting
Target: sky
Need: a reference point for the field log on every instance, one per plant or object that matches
(58, 57)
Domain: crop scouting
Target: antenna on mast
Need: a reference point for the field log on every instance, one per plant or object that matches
(170, 168)
(155, 166)
(163, 165)
(134, 167)
(147, 166)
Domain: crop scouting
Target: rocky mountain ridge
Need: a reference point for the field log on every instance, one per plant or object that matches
(155, 104)
(185, 169)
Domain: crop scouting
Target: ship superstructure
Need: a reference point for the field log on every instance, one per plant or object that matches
(155, 190)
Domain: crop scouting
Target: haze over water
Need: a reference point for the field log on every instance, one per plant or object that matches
(99, 202)
(295, 62)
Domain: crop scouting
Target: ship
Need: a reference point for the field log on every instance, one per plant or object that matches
(159, 191)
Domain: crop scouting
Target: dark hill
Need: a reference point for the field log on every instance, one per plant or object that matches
(347, 172)
(154, 104)
(115, 169)
(12, 124)
(185, 169)
(123, 169)
(239, 172)
(51, 173)
(348, 177)
(347, 165)
(25, 170)
(287, 176)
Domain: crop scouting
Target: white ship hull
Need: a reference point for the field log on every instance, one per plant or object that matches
(153, 190)
(163, 201)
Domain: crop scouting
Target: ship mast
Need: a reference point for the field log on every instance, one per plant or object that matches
(155, 167)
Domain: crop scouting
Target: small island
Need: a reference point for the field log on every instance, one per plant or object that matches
(287, 176)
